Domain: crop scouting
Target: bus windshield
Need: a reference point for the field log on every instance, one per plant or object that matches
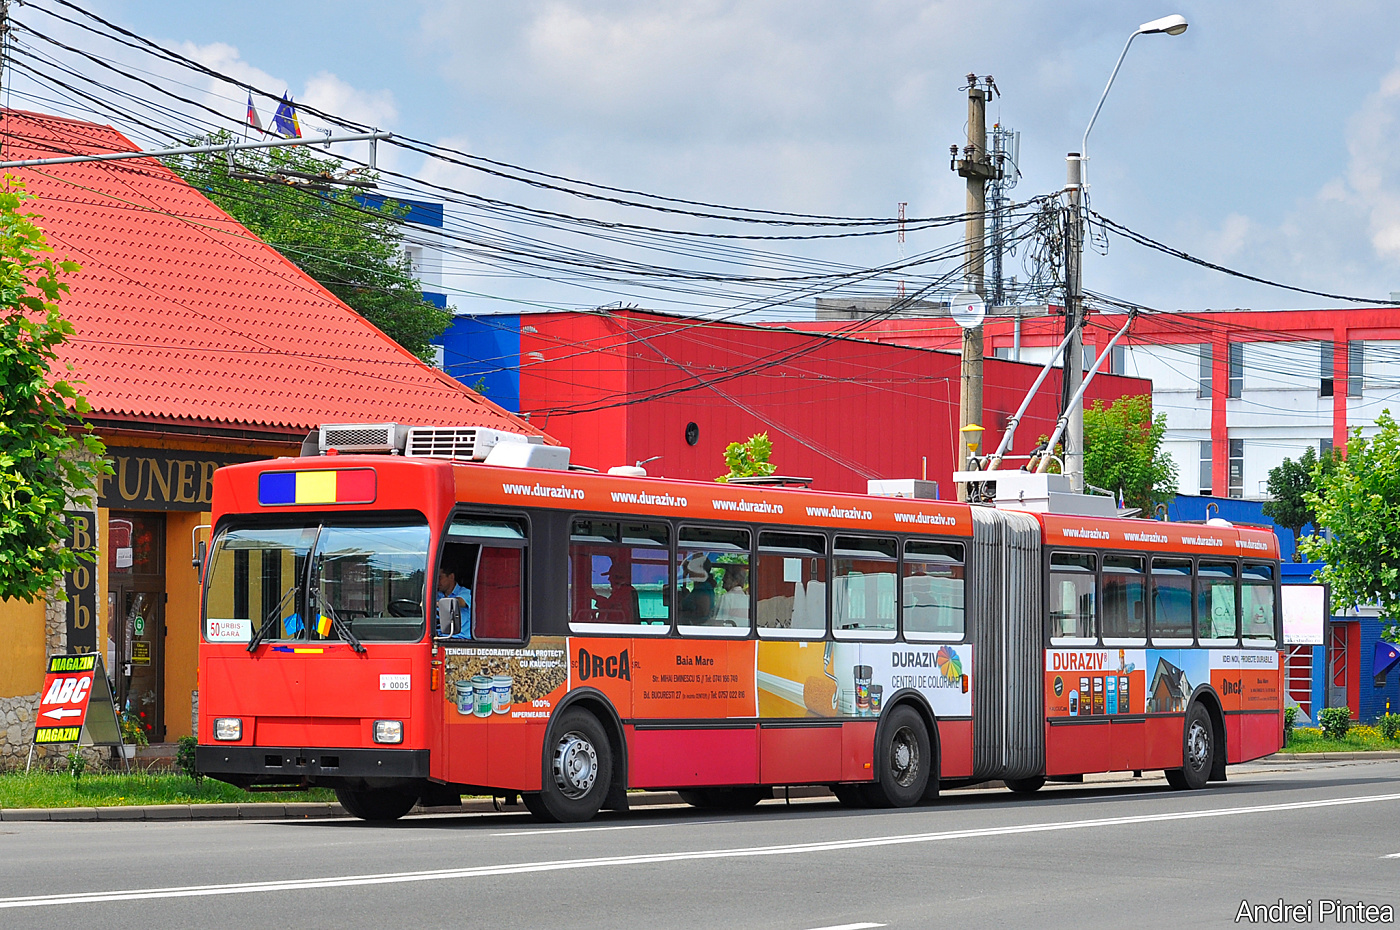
(315, 583)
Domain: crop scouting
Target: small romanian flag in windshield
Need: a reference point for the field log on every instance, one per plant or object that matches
(323, 625)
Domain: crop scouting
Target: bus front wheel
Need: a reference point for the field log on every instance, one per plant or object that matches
(1197, 752)
(377, 805)
(577, 770)
(905, 757)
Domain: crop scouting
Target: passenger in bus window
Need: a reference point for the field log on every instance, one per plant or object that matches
(734, 602)
(697, 597)
(622, 603)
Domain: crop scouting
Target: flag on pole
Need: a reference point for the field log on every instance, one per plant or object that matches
(284, 121)
(253, 119)
(323, 625)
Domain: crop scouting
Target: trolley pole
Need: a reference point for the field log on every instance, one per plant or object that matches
(978, 169)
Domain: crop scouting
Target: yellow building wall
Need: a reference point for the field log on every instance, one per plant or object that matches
(181, 622)
(22, 628)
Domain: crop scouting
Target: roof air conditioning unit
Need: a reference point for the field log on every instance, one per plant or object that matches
(362, 437)
(464, 443)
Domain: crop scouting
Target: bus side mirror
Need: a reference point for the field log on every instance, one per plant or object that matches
(449, 616)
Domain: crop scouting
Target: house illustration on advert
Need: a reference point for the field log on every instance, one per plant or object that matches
(1170, 689)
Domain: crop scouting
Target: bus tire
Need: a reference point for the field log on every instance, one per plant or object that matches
(905, 759)
(1026, 785)
(724, 799)
(1197, 752)
(578, 770)
(377, 805)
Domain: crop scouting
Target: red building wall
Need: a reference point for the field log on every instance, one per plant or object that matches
(622, 386)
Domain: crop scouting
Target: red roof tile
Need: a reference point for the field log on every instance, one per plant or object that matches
(181, 314)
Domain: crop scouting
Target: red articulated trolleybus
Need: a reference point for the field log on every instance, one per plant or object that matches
(468, 615)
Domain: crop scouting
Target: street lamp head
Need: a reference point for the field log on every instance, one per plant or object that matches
(1173, 25)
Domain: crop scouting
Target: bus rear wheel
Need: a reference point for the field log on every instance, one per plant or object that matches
(724, 799)
(377, 805)
(1197, 752)
(905, 758)
(577, 770)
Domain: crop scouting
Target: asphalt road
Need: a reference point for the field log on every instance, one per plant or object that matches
(1126, 854)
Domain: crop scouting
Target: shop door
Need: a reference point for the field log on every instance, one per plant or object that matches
(136, 616)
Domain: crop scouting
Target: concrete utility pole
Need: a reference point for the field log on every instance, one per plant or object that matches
(977, 167)
(1074, 318)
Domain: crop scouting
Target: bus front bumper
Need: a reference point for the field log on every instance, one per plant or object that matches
(257, 766)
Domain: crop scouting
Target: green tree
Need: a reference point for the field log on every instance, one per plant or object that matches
(749, 458)
(1358, 503)
(351, 246)
(1123, 452)
(1289, 485)
(47, 452)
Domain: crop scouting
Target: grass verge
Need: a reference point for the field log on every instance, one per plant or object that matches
(103, 789)
(1358, 739)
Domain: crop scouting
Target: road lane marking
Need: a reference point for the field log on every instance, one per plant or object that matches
(1392, 856)
(558, 865)
(561, 831)
(852, 927)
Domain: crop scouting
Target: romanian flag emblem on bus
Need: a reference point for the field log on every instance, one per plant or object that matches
(322, 486)
(323, 625)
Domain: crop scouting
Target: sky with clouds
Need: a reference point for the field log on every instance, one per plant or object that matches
(1263, 138)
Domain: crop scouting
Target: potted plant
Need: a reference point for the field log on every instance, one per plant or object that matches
(133, 734)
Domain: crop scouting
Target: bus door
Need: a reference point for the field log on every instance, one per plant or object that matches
(487, 675)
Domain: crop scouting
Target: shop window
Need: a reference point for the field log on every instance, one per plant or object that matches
(1215, 603)
(1171, 601)
(1124, 600)
(790, 585)
(864, 586)
(934, 586)
(1073, 610)
(712, 581)
(619, 577)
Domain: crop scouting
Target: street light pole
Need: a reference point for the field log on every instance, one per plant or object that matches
(1075, 184)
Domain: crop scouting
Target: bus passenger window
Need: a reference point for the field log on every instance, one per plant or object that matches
(863, 586)
(1171, 601)
(1073, 611)
(1258, 604)
(618, 579)
(1124, 600)
(712, 581)
(934, 578)
(1215, 603)
(790, 584)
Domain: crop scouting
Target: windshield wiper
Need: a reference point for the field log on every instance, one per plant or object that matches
(340, 626)
(324, 603)
(267, 621)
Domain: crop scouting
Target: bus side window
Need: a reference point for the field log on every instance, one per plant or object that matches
(712, 581)
(618, 577)
(790, 585)
(933, 591)
(1216, 616)
(1124, 600)
(1171, 601)
(1073, 610)
(1259, 604)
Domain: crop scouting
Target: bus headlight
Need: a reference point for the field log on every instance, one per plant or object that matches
(388, 731)
(228, 728)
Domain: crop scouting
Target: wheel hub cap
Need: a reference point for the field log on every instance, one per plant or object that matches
(575, 765)
(1197, 746)
(904, 758)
